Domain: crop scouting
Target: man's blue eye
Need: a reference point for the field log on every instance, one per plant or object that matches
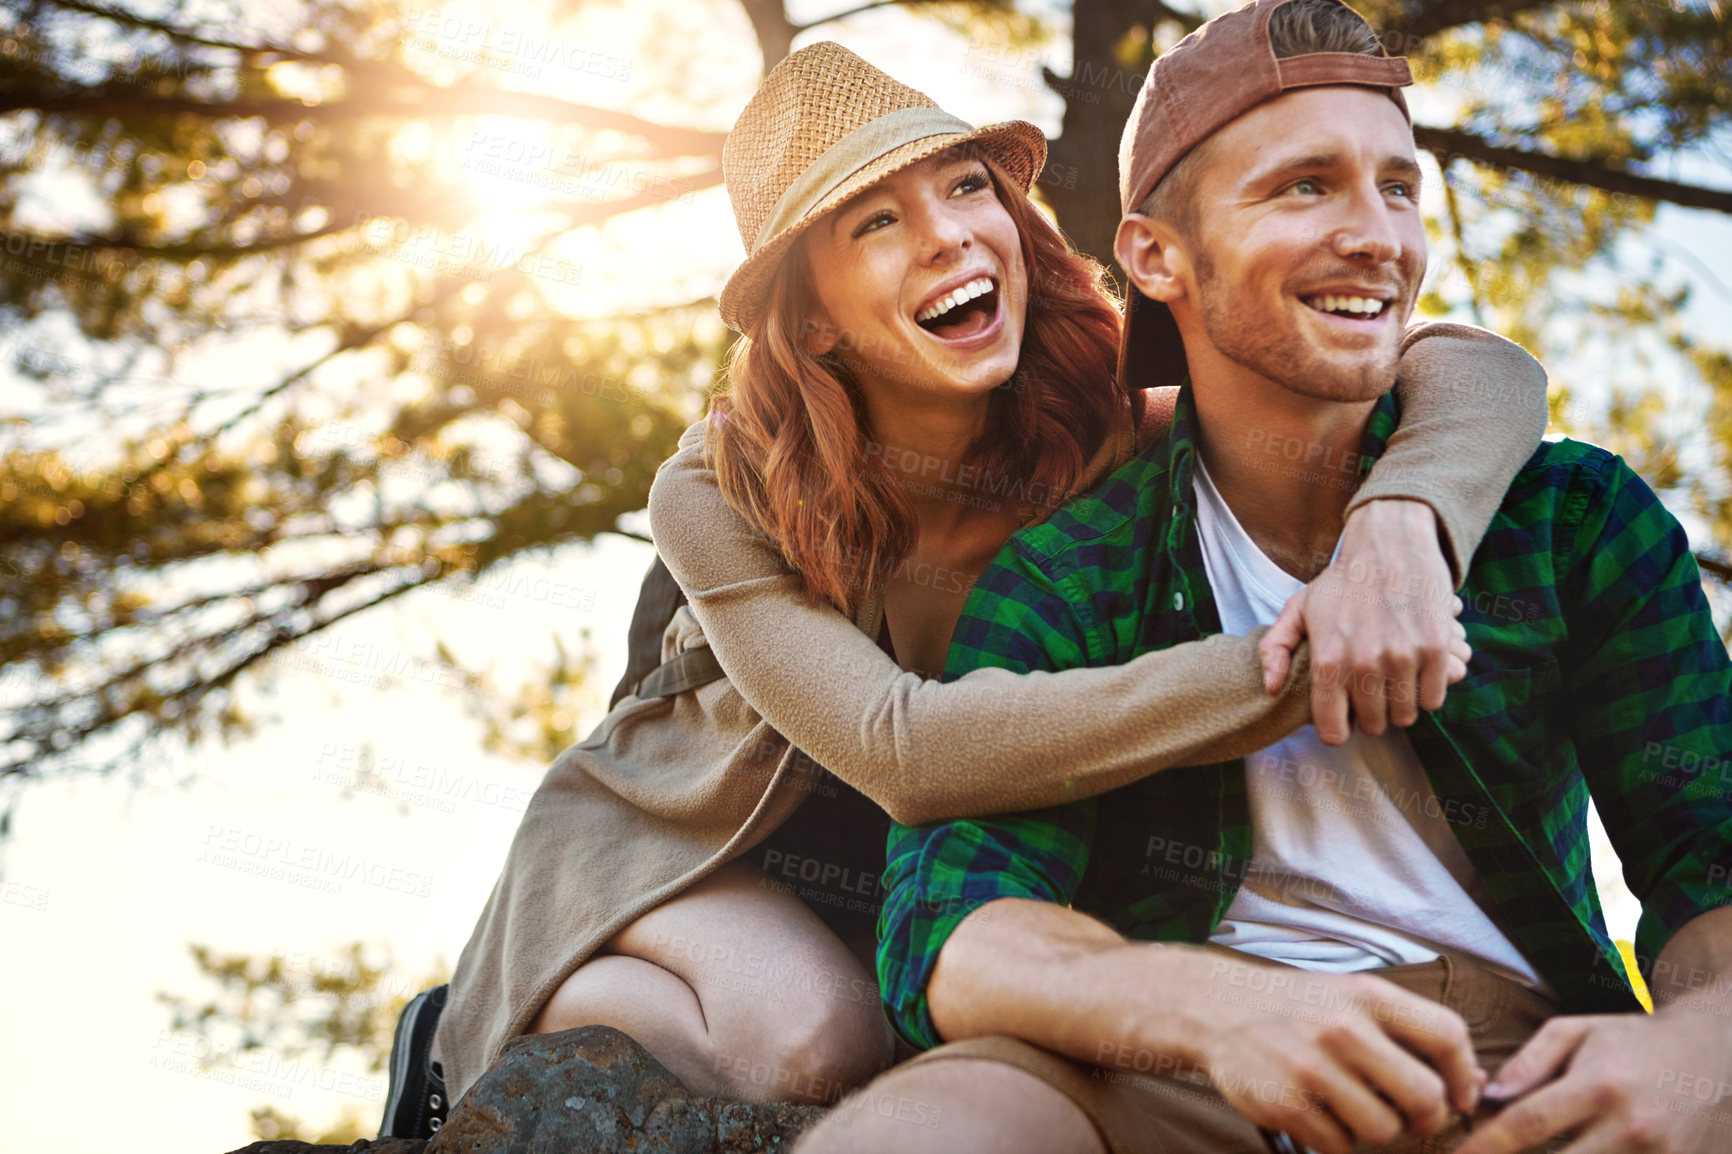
(1402, 188)
(1307, 186)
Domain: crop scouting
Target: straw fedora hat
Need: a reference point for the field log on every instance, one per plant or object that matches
(823, 126)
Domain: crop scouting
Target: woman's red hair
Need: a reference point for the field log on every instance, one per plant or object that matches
(788, 436)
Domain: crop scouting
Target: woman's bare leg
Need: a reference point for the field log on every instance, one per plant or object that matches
(739, 990)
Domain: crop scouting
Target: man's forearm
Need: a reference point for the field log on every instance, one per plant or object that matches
(1693, 974)
(1064, 981)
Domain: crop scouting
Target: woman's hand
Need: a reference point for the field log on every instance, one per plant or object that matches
(1385, 641)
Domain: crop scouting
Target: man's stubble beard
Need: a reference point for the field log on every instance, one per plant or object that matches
(1280, 353)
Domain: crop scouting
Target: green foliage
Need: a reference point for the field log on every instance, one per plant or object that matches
(416, 404)
(281, 363)
(270, 1124)
(1565, 266)
(337, 1010)
(535, 719)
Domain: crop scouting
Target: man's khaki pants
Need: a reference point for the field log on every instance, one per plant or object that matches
(1142, 1105)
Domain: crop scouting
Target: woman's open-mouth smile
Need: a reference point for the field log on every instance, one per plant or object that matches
(965, 314)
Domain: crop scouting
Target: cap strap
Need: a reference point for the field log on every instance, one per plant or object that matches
(1344, 68)
(849, 155)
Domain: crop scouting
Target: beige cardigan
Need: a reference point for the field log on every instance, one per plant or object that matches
(666, 790)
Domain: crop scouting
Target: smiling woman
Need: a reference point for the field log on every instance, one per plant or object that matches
(878, 264)
(865, 313)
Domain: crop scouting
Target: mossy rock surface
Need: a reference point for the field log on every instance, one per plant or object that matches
(591, 1090)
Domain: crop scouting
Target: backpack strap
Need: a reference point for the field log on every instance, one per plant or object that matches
(645, 674)
(688, 670)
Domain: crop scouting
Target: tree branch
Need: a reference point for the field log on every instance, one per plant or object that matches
(579, 213)
(1448, 143)
(1426, 18)
(348, 339)
(189, 250)
(864, 8)
(120, 100)
(772, 28)
(133, 20)
(201, 686)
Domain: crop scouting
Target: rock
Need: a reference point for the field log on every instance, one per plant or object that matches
(593, 1090)
(378, 1146)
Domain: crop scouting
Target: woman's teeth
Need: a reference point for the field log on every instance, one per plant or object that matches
(1329, 303)
(974, 288)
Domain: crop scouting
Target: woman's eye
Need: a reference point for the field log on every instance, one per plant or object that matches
(973, 182)
(873, 222)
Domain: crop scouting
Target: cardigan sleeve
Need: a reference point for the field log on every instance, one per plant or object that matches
(996, 741)
(990, 742)
(1473, 410)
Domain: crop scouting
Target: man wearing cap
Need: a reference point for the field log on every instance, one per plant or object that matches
(1381, 940)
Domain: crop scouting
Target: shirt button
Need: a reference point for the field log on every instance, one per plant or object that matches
(1178, 600)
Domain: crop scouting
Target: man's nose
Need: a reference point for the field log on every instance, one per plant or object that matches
(1367, 229)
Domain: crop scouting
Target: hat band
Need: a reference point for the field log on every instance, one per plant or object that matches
(849, 155)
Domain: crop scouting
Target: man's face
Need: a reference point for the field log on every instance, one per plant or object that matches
(1308, 248)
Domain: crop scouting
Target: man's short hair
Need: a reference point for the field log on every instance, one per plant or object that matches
(1295, 29)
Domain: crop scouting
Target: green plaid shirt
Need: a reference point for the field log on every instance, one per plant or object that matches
(1596, 668)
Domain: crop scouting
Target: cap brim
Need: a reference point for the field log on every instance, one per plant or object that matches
(1016, 146)
(1151, 352)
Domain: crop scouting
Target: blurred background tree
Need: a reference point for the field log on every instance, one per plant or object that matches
(310, 306)
(292, 1020)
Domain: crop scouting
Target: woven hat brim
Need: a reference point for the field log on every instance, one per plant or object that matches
(1016, 146)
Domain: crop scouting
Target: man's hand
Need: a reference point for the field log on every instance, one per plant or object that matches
(1334, 1059)
(1329, 1058)
(1381, 619)
(1620, 1084)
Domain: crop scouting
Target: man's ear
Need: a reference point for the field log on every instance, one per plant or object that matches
(1153, 256)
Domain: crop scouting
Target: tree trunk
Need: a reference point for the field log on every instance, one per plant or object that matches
(1081, 180)
(775, 32)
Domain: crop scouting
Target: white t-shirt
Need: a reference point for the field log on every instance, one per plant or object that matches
(1353, 864)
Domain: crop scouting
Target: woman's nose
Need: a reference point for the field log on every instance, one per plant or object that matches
(943, 231)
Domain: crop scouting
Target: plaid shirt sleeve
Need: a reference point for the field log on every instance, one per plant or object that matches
(938, 874)
(1651, 687)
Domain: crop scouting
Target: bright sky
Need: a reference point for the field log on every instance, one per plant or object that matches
(105, 884)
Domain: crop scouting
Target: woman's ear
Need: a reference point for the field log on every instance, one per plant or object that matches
(1153, 257)
(817, 335)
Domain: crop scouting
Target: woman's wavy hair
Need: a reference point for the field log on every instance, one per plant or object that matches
(788, 435)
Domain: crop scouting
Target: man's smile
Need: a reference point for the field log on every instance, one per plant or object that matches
(1359, 306)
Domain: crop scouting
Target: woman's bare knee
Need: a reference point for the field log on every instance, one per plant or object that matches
(739, 990)
(818, 1042)
(958, 1104)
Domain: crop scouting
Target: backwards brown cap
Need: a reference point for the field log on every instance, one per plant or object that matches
(1204, 82)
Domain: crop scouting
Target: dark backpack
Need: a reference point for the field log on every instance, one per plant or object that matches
(645, 672)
